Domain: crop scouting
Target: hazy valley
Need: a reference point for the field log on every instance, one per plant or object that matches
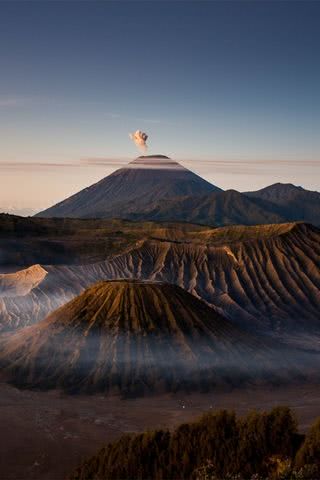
(115, 293)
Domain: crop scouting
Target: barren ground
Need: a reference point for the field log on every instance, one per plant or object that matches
(44, 435)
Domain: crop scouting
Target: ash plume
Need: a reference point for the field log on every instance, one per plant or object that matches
(140, 139)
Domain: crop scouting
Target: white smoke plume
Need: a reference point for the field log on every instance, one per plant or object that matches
(140, 139)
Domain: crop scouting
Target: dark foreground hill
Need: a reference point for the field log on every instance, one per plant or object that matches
(135, 337)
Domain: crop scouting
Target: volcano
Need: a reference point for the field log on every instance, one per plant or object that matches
(133, 337)
(145, 180)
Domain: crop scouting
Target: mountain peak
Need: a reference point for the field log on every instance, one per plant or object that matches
(154, 156)
(131, 189)
(132, 336)
(155, 162)
(277, 187)
(284, 186)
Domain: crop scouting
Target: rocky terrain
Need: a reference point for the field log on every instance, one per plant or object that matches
(264, 278)
(22, 282)
(133, 337)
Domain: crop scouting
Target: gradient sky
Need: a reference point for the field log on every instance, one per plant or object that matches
(232, 89)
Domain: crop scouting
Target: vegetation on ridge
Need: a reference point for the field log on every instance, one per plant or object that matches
(218, 446)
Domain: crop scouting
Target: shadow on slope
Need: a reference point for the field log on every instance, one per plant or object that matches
(134, 337)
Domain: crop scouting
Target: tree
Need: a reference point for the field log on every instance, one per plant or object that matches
(309, 453)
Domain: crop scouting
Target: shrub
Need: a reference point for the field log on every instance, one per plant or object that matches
(309, 452)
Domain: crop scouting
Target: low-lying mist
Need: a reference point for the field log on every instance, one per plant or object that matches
(137, 364)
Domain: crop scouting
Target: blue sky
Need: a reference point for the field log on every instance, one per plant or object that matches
(229, 88)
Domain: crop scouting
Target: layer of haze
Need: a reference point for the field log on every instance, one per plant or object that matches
(231, 89)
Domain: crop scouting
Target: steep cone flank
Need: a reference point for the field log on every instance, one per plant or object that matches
(155, 187)
(133, 337)
(263, 278)
(133, 188)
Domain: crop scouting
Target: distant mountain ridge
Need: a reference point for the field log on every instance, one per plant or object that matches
(278, 203)
(278, 192)
(157, 188)
(293, 202)
(20, 211)
(217, 208)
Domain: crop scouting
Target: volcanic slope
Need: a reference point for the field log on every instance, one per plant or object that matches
(217, 208)
(274, 204)
(135, 337)
(146, 179)
(264, 278)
